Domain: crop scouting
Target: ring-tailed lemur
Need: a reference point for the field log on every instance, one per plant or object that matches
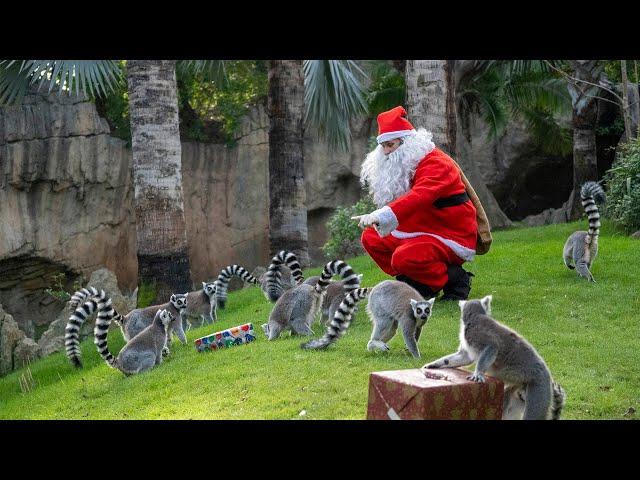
(131, 324)
(334, 295)
(502, 353)
(272, 285)
(201, 305)
(296, 308)
(582, 247)
(223, 281)
(145, 350)
(391, 304)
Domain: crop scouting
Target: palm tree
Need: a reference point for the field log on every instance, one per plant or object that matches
(287, 195)
(332, 94)
(163, 258)
(584, 92)
(431, 93)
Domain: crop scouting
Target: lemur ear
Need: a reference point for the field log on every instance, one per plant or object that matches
(173, 298)
(461, 304)
(486, 303)
(413, 303)
(204, 284)
(431, 301)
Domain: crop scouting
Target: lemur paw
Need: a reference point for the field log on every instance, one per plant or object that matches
(477, 377)
(165, 352)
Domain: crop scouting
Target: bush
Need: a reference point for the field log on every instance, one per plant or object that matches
(623, 185)
(344, 233)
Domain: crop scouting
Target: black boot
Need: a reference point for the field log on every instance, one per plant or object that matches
(459, 284)
(422, 289)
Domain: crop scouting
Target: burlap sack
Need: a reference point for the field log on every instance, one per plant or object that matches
(484, 229)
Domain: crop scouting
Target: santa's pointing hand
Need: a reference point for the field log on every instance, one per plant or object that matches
(383, 220)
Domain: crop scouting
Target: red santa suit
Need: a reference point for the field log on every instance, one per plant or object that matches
(426, 224)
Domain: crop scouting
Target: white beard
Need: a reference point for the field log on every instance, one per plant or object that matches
(389, 176)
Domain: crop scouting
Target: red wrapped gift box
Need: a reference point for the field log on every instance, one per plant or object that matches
(433, 394)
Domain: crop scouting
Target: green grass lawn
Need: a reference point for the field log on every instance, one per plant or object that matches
(588, 334)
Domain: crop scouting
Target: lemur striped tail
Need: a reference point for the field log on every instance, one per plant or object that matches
(81, 296)
(273, 277)
(222, 283)
(340, 321)
(557, 404)
(590, 193)
(105, 315)
(99, 302)
(338, 267)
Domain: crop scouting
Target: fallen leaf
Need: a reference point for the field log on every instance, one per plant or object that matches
(302, 413)
(630, 411)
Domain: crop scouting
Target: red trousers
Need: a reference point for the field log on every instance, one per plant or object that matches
(424, 259)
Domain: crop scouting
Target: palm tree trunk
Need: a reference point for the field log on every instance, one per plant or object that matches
(431, 103)
(584, 116)
(157, 171)
(626, 112)
(287, 195)
(430, 100)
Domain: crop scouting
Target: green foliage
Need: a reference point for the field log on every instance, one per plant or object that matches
(387, 88)
(500, 90)
(57, 290)
(115, 108)
(613, 71)
(623, 187)
(344, 233)
(616, 128)
(217, 107)
(146, 294)
(212, 99)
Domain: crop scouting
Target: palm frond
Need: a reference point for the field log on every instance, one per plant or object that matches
(333, 95)
(387, 88)
(552, 138)
(91, 77)
(484, 97)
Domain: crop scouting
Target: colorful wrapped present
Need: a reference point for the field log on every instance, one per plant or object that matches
(433, 394)
(226, 338)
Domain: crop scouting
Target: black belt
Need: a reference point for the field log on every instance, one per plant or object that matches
(451, 201)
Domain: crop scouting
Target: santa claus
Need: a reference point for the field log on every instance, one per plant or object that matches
(425, 227)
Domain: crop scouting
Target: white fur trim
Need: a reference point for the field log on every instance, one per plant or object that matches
(463, 252)
(393, 135)
(389, 176)
(387, 221)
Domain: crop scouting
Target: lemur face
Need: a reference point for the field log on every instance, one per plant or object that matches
(422, 310)
(179, 301)
(209, 288)
(166, 317)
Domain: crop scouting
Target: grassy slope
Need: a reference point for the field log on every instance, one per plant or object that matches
(588, 334)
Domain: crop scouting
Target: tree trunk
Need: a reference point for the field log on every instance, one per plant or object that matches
(431, 103)
(163, 259)
(287, 195)
(430, 100)
(584, 116)
(626, 112)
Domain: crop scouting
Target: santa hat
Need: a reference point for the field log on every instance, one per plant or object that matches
(393, 124)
